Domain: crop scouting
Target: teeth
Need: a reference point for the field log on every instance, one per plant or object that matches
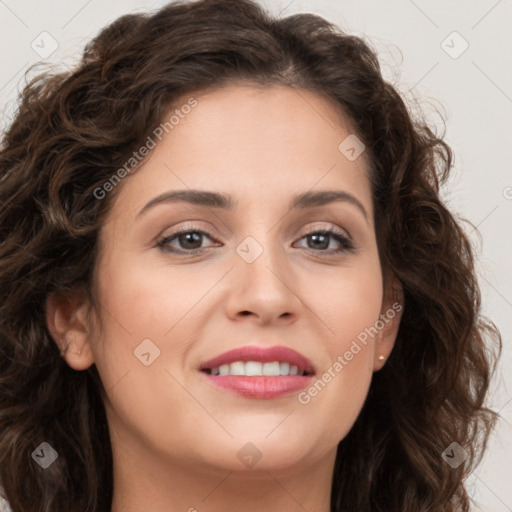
(271, 369)
(236, 368)
(253, 368)
(257, 368)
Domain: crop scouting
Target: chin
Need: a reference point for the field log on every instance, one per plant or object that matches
(252, 454)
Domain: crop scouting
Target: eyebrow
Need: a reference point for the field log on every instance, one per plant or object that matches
(227, 202)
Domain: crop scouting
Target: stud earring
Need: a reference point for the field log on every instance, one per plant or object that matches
(381, 357)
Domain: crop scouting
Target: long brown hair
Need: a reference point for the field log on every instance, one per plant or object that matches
(75, 129)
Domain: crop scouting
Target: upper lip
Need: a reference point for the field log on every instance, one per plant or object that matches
(262, 354)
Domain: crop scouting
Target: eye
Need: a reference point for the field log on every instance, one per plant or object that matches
(320, 240)
(189, 240)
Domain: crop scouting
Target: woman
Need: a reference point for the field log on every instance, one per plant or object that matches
(228, 281)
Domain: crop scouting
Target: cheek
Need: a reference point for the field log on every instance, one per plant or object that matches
(347, 301)
(138, 303)
(349, 307)
(136, 307)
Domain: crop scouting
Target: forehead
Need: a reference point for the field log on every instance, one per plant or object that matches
(270, 142)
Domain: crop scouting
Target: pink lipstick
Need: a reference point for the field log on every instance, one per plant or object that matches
(259, 372)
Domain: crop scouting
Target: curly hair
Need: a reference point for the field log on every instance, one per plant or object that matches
(73, 130)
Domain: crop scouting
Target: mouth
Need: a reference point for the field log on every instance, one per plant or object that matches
(258, 372)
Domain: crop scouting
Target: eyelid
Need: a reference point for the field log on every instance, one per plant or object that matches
(334, 229)
(188, 226)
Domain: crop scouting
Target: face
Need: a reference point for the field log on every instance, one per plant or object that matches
(260, 274)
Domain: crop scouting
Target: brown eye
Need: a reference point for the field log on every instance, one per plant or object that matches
(188, 240)
(321, 239)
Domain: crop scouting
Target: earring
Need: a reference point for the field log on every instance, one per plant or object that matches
(381, 357)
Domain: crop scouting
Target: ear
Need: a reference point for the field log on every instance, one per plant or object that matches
(67, 321)
(390, 315)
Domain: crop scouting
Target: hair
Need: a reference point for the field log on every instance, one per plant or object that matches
(74, 129)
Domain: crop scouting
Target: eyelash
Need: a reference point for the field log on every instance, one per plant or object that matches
(346, 243)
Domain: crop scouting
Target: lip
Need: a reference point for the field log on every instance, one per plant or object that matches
(260, 386)
(261, 354)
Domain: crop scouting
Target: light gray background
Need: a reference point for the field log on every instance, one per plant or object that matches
(474, 89)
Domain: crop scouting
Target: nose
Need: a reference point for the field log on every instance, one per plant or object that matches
(264, 288)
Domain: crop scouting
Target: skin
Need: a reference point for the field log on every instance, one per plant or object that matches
(175, 437)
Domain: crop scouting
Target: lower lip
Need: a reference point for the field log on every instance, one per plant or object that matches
(260, 387)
